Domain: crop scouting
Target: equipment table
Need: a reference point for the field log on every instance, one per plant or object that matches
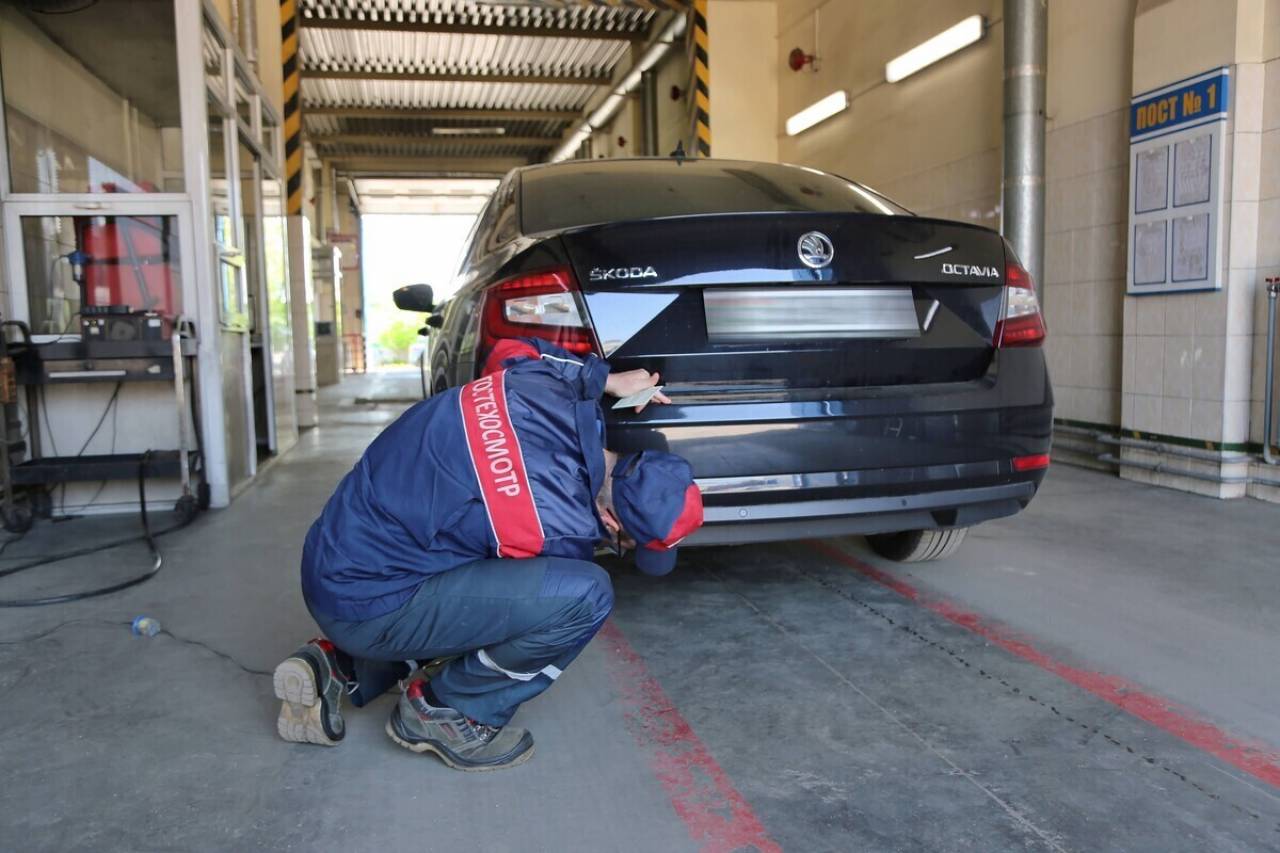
(75, 361)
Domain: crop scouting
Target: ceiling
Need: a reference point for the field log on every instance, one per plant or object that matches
(128, 44)
(456, 85)
(408, 195)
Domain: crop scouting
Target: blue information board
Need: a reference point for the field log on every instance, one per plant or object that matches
(1181, 105)
(1176, 163)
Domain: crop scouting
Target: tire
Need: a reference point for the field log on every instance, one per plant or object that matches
(917, 546)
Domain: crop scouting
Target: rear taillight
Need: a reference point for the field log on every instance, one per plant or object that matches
(537, 305)
(1034, 462)
(1020, 323)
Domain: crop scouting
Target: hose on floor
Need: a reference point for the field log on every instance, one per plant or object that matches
(186, 506)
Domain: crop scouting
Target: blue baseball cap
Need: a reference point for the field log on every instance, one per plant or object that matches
(658, 504)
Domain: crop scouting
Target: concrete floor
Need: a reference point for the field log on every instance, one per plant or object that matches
(802, 697)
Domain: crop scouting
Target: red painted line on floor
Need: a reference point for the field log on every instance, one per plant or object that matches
(1258, 760)
(718, 818)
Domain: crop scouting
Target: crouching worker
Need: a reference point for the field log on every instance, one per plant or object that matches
(466, 531)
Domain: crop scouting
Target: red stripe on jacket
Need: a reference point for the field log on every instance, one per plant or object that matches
(498, 461)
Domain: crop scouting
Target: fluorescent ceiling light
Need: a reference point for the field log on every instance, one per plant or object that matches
(821, 111)
(943, 44)
(468, 131)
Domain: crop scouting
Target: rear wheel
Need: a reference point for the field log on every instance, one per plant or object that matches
(917, 546)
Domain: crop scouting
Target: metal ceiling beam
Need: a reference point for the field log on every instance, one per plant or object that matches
(403, 139)
(399, 166)
(453, 77)
(534, 31)
(405, 113)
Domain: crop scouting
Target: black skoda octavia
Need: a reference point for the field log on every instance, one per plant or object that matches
(835, 363)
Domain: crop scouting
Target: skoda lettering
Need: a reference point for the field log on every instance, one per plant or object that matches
(617, 273)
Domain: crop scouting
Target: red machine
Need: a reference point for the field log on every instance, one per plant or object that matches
(130, 266)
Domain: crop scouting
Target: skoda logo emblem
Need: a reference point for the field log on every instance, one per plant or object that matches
(815, 250)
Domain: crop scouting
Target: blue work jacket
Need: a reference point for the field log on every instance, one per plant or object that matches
(506, 466)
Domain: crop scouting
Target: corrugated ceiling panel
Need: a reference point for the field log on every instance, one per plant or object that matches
(411, 149)
(357, 50)
(393, 51)
(322, 125)
(419, 94)
(468, 11)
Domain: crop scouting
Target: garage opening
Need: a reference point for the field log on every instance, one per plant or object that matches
(412, 232)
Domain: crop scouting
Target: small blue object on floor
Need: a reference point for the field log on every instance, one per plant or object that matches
(145, 626)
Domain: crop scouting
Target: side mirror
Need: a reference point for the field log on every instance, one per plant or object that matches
(414, 297)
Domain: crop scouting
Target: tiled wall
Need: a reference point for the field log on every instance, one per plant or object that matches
(967, 189)
(1086, 173)
(1268, 253)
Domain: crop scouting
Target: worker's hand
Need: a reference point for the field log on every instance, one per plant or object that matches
(631, 382)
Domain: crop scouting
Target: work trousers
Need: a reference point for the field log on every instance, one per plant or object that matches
(514, 626)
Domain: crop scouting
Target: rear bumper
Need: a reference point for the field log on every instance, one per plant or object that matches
(873, 460)
(731, 523)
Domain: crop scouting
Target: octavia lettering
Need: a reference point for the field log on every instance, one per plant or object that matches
(966, 269)
(498, 461)
(612, 273)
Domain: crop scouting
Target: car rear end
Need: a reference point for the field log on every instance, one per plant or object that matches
(835, 364)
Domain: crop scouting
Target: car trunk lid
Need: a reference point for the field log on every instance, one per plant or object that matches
(768, 304)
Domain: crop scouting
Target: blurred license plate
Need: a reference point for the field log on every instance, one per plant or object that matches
(756, 314)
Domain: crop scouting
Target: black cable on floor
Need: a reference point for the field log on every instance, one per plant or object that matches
(146, 535)
(116, 622)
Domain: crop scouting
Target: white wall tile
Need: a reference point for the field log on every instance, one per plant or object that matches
(1110, 297)
(1126, 411)
(1098, 405)
(1235, 422)
(1211, 312)
(1269, 162)
(1146, 413)
(1206, 420)
(1057, 257)
(1128, 360)
(1239, 367)
(1179, 358)
(1243, 249)
(1241, 287)
(1258, 373)
(1271, 105)
(1175, 417)
(1148, 367)
(1112, 131)
(1180, 314)
(1208, 375)
(1246, 166)
(1269, 224)
(1248, 80)
(1064, 402)
(1150, 315)
(1108, 196)
(1257, 424)
(1104, 367)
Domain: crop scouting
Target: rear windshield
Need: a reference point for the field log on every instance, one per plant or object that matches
(590, 193)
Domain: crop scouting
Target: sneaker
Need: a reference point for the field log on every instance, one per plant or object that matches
(461, 742)
(310, 687)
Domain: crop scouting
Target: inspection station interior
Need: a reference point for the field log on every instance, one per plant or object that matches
(191, 286)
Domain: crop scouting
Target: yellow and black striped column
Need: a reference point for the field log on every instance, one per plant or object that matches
(701, 80)
(292, 106)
